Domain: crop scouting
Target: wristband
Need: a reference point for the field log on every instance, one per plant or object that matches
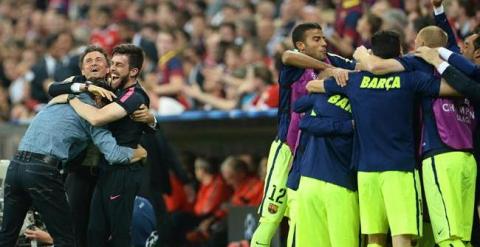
(70, 97)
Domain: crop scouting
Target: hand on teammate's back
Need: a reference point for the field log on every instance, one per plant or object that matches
(102, 92)
(360, 53)
(430, 55)
(143, 115)
(314, 86)
(341, 76)
(138, 154)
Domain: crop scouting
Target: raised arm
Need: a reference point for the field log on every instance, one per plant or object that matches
(442, 22)
(300, 60)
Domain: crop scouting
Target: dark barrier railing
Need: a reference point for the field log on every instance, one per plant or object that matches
(212, 133)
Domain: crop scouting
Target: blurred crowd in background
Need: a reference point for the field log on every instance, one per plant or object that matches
(201, 54)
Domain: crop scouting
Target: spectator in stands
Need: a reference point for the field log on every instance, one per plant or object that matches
(54, 21)
(265, 10)
(227, 31)
(104, 34)
(213, 192)
(368, 24)
(246, 29)
(262, 168)
(254, 91)
(18, 75)
(149, 31)
(310, 14)
(252, 52)
(228, 14)
(462, 12)
(192, 66)
(266, 28)
(167, 13)
(345, 36)
(129, 32)
(55, 65)
(177, 200)
(251, 162)
(169, 73)
(413, 27)
(196, 28)
(247, 189)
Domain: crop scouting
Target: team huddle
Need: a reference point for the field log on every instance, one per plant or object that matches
(359, 142)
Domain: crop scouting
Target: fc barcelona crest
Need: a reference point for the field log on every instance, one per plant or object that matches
(272, 208)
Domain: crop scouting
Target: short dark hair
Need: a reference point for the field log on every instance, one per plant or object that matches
(93, 48)
(298, 33)
(51, 39)
(375, 22)
(421, 22)
(133, 52)
(386, 44)
(129, 24)
(476, 42)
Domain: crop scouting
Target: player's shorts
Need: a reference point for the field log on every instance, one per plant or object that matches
(275, 194)
(390, 199)
(449, 184)
(275, 197)
(327, 214)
